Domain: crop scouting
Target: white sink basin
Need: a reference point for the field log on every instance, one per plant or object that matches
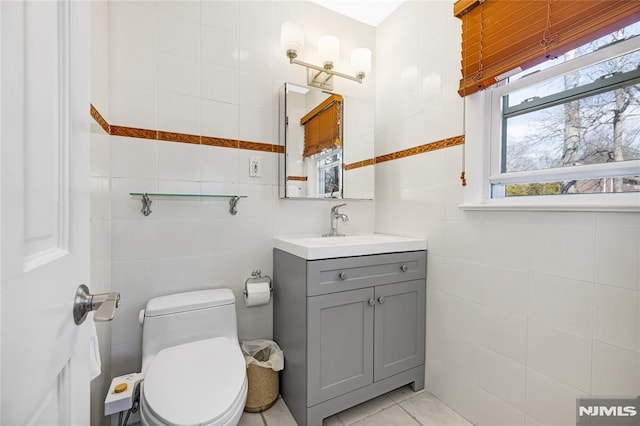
(311, 248)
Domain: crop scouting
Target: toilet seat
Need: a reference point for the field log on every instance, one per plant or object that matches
(197, 383)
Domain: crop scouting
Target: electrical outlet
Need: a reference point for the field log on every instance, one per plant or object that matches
(255, 168)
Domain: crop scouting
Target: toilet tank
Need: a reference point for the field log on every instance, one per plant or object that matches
(186, 317)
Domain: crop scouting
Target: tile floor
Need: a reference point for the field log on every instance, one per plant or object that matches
(401, 407)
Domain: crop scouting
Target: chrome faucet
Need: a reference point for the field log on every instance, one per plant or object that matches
(335, 215)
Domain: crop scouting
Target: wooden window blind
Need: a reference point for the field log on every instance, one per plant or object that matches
(323, 126)
(499, 36)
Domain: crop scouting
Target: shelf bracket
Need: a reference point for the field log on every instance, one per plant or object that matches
(233, 205)
(146, 205)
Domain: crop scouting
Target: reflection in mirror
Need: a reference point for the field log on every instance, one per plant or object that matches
(328, 141)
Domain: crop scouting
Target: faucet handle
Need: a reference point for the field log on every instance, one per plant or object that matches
(334, 209)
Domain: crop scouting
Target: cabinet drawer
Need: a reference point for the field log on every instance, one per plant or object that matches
(348, 273)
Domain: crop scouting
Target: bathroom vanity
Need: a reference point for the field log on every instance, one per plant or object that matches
(349, 314)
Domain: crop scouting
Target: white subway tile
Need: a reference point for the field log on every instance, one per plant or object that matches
(178, 74)
(133, 22)
(563, 356)
(126, 358)
(219, 47)
(133, 65)
(503, 377)
(178, 36)
(463, 240)
(125, 326)
(616, 317)
(133, 106)
(219, 119)
(493, 411)
(219, 164)
(178, 238)
(135, 280)
(220, 83)
(255, 125)
(562, 303)
(616, 372)
(550, 401)
(505, 244)
(133, 239)
(220, 14)
(502, 333)
(566, 251)
(461, 394)
(256, 91)
(462, 318)
(503, 289)
(178, 113)
(178, 161)
(617, 254)
(188, 10)
(434, 377)
(180, 275)
(133, 158)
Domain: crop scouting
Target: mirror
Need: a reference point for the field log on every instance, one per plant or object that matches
(328, 140)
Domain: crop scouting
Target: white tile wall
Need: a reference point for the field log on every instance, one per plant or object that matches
(526, 311)
(203, 67)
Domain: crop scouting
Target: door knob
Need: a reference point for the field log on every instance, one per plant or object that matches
(371, 302)
(104, 304)
(381, 300)
(342, 276)
(404, 268)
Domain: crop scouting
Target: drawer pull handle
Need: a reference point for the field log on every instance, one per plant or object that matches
(371, 302)
(381, 300)
(404, 268)
(342, 276)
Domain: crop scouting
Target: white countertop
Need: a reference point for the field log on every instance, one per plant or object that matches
(312, 248)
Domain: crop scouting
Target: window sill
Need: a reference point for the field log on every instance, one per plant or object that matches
(557, 207)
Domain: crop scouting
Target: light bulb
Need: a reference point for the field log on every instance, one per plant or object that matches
(329, 49)
(291, 37)
(361, 60)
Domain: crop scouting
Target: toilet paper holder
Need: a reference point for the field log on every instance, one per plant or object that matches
(257, 277)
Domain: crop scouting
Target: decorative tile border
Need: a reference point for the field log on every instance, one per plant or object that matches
(363, 163)
(300, 178)
(161, 135)
(420, 149)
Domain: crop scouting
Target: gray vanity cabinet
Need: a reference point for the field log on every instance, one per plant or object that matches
(351, 329)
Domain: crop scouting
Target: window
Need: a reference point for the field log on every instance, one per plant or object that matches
(330, 173)
(571, 125)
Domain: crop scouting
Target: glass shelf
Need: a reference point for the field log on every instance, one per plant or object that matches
(146, 202)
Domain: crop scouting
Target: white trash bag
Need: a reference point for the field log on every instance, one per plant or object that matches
(263, 353)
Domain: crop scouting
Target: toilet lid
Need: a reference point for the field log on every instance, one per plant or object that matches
(194, 383)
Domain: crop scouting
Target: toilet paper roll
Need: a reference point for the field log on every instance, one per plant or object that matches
(257, 294)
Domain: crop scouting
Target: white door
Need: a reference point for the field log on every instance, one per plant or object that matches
(44, 208)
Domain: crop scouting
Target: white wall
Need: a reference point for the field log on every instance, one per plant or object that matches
(214, 69)
(525, 310)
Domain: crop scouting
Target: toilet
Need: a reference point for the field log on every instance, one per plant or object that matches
(194, 371)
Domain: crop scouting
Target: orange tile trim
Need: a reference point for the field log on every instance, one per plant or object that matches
(357, 164)
(300, 178)
(95, 114)
(134, 132)
(161, 135)
(420, 149)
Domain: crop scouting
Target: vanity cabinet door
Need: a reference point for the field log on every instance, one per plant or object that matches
(400, 327)
(340, 343)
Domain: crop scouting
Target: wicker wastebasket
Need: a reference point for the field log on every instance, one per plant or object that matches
(264, 359)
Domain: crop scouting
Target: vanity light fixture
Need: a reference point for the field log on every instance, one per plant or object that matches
(292, 41)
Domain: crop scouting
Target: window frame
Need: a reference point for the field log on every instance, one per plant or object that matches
(486, 107)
